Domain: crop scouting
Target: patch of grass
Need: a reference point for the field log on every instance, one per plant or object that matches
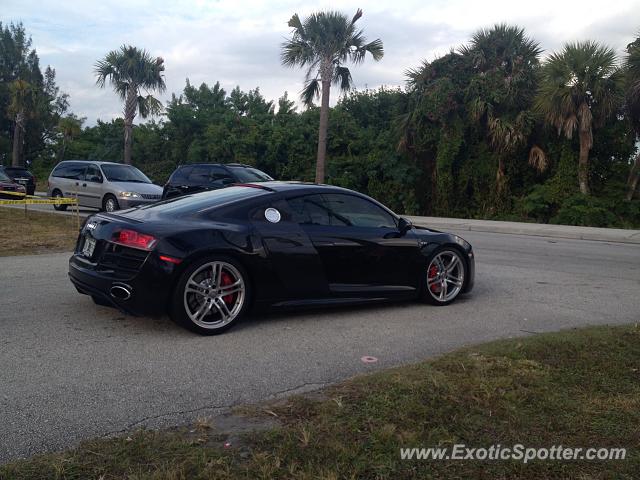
(37, 232)
(575, 388)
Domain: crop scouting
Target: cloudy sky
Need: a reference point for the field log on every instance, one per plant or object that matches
(238, 42)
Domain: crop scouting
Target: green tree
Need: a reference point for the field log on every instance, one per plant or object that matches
(580, 90)
(429, 128)
(632, 87)
(132, 72)
(323, 43)
(69, 128)
(22, 105)
(500, 94)
(30, 102)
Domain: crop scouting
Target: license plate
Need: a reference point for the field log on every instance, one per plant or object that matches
(88, 247)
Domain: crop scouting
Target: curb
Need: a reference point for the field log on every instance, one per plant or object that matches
(617, 235)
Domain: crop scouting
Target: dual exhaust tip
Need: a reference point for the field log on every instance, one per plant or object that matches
(120, 291)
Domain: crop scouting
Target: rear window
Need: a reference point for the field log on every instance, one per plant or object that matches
(203, 201)
(18, 172)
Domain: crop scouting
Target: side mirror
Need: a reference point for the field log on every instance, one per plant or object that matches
(404, 225)
(96, 179)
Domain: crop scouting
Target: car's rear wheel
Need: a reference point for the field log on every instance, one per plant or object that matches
(445, 276)
(110, 203)
(211, 296)
(58, 194)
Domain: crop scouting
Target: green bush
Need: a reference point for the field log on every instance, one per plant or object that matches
(587, 211)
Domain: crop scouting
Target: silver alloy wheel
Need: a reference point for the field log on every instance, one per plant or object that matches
(214, 295)
(110, 205)
(445, 276)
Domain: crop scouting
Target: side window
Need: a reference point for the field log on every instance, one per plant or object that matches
(73, 171)
(61, 170)
(199, 175)
(181, 175)
(309, 210)
(220, 176)
(93, 174)
(358, 212)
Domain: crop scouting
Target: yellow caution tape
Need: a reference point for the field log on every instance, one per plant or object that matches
(40, 201)
(17, 194)
(35, 200)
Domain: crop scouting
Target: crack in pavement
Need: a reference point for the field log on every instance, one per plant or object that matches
(217, 409)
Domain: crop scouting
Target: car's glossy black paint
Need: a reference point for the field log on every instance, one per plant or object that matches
(288, 264)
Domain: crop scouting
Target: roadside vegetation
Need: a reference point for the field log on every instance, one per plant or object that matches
(35, 232)
(576, 388)
(490, 130)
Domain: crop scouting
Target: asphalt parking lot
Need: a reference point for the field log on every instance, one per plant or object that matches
(73, 370)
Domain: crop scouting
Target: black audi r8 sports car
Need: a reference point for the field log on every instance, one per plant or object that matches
(207, 258)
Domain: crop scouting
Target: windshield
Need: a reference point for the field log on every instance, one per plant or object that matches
(245, 174)
(3, 176)
(124, 173)
(204, 200)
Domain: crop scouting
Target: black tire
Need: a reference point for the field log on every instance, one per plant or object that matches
(101, 301)
(436, 284)
(110, 203)
(60, 208)
(182, 300)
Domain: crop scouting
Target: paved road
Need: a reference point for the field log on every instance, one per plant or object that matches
(71, 370)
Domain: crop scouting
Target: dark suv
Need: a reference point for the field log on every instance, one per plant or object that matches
(198, 177)
(22, 176)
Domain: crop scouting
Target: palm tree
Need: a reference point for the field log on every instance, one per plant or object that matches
(578, 91)
(130, 71)
(632, 78)
(19, 110)
(505, 63)
(324, 42)
(69, 127)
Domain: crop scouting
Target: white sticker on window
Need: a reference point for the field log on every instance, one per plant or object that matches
(272, 215)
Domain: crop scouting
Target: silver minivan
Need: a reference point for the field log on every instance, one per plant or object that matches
(108, 186)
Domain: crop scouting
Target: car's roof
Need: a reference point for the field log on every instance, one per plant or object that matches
(10, 167)
(98, 162)
(215, 165)
(288, 186)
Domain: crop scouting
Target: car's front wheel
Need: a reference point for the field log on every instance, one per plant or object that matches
(110, 204)
(445, 276)
(211, 295)
(58, 194)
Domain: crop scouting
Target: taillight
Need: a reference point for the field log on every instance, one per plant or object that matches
(131, 238)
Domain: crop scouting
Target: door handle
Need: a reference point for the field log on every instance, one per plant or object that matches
(84, 184)
(77, 183)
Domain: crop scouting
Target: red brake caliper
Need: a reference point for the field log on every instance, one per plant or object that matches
(433, 272)
(227, 280)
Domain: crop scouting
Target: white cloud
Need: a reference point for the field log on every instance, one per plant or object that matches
(238, 42)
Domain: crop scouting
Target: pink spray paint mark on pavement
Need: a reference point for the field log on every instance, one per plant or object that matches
(368, 359)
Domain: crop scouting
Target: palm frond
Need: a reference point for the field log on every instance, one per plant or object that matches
(538, 158)
(310, 91)
(149, 106)
(342, 77)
